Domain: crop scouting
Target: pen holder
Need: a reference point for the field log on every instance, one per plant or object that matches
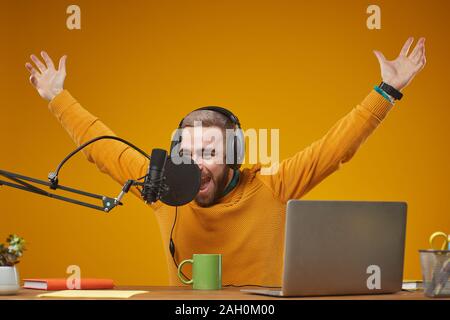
(435, 266)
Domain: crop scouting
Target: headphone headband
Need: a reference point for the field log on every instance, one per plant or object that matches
(227, 113)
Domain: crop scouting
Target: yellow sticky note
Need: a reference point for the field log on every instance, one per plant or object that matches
(124, 294)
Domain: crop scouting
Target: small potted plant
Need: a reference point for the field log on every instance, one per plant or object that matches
(9, 257)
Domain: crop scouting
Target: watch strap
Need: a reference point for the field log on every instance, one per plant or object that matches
(397, 95)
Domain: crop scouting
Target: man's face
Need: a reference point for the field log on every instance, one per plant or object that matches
(205, 146)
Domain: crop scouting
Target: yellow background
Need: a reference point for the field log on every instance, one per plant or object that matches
(141, 65)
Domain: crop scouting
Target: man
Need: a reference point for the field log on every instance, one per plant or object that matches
(240, 214)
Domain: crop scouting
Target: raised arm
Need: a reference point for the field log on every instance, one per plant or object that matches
(112, 157)
(295, 176)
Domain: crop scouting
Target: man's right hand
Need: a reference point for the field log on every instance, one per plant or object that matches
(48, 81)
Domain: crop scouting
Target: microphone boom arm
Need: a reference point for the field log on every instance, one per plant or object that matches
(108, 203)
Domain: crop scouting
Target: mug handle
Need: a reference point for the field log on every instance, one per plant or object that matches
(179, 272)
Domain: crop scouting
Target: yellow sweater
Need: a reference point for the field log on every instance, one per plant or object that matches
(247, 226)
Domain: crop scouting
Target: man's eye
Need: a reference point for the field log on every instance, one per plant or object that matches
(185, 153)
(208, 154)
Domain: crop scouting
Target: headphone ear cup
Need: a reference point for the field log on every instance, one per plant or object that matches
(239, 146)
(235, 152)
(173, 145)
(229, 149)
(176, 142)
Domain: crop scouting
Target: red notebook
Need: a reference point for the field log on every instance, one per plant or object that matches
(61, 284)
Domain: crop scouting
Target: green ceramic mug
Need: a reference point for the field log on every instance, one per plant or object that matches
(206, 271)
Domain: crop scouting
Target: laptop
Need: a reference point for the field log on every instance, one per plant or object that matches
(342, 248)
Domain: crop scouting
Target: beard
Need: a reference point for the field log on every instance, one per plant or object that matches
(212, 187)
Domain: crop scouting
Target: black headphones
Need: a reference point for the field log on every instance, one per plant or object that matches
(235, 143)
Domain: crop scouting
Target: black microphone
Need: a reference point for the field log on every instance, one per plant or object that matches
(175, 183)
(154, 186)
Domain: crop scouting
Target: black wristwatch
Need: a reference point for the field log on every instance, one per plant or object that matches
(397, 95)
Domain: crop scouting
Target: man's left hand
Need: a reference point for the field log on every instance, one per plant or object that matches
(398, 73)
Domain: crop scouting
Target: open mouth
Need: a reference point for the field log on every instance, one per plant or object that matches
(205, 183)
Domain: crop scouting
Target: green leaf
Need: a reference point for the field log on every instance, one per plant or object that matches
(10, 255)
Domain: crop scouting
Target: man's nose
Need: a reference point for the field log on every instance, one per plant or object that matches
(198, 161)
